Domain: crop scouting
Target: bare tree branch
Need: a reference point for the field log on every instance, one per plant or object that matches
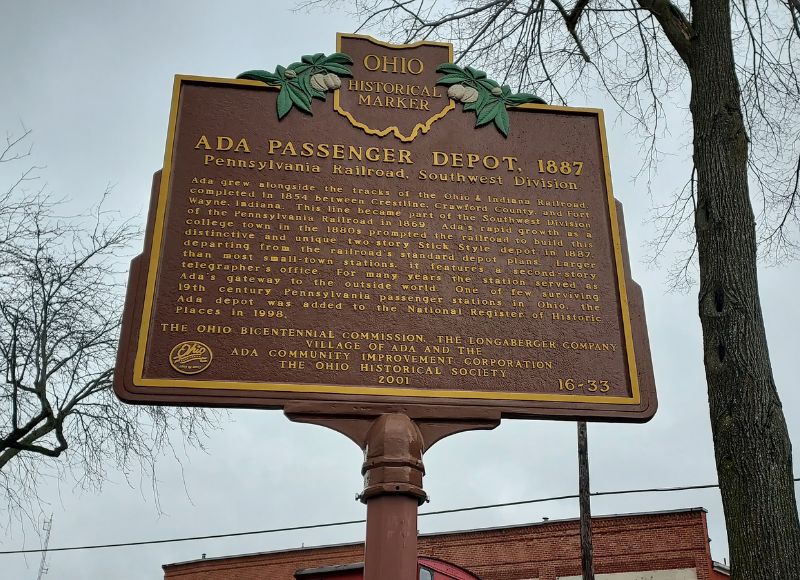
(61, 281)
(571, 19)
(674, 24)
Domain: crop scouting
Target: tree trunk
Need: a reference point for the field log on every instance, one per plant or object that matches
(751, 441)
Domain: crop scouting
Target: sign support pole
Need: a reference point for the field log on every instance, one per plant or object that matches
(393, 473)
(393, 443)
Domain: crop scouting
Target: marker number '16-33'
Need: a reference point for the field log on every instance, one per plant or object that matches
(589, 385)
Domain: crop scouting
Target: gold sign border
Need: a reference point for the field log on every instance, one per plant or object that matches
(419, 128)
(155, 258)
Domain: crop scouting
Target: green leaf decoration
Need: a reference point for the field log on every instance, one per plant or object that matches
(260, 75)
(522, 98)
(451, 79)
(489, 111)
(299, 67)
(492, 101)
(297, 90)
(449, 68)
(336, 68)
(501, 121)
(488, 84)
(475, 73)
(284, 102)
(475, 105)
(313, 59)
(316, 94)
(339, 58)
(298, 96)
(305, 84)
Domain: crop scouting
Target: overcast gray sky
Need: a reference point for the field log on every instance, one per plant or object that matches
(93, 80)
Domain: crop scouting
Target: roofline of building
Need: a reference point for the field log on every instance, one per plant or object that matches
(451, 532)
(334, 568)
(421, 560)
(720, 567)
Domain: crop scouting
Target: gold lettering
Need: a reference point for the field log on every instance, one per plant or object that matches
(203, 141)
(393, 64)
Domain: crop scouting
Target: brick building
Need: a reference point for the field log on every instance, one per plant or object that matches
(669, 545)
(429, 569)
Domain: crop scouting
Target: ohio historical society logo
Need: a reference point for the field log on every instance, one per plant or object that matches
(190, 357)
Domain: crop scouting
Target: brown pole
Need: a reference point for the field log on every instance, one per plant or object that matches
(393, 444)
(587, 564)
(390, 552)
(393, 491)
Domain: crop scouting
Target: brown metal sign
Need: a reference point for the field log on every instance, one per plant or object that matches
(378, 248)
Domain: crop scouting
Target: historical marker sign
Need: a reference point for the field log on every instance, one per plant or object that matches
(420, 237)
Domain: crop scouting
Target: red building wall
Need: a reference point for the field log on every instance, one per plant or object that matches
(547, 551)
